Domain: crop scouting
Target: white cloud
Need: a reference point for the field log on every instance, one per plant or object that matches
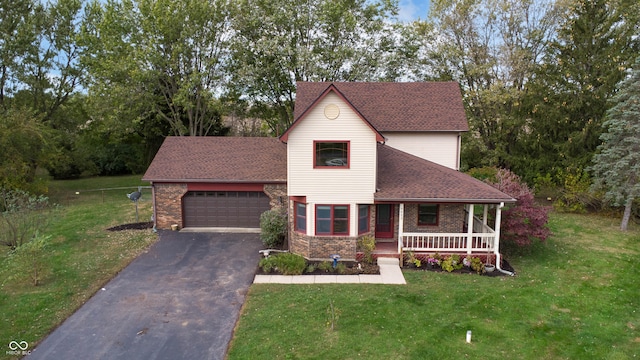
(412, 10)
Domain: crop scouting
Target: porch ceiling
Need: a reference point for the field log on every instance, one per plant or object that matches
(407, 178)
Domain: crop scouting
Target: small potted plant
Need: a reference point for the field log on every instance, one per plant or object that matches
(488, 267)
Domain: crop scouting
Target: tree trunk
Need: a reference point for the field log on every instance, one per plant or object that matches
(627, 214)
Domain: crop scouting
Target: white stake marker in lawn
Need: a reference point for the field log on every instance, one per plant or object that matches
(468, 336)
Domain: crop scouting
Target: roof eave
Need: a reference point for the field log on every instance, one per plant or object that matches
(441, 200)
(331, 87)
(424, 131)
(218, 181)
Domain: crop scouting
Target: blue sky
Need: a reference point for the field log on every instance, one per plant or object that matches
(413, 9)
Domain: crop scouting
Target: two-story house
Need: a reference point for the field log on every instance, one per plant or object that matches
(360, 159)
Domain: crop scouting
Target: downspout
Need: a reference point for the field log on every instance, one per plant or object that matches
(496, 249)
(153, 205)
(458, 151)
(470, 228)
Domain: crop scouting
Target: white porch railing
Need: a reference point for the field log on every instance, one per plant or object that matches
(448, 242)
(479, 238)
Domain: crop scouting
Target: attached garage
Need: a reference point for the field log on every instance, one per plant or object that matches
(223, 182)
(228, 209)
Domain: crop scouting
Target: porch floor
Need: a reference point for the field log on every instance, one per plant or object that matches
(386, 249)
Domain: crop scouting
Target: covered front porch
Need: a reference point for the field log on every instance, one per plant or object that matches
(477, 237)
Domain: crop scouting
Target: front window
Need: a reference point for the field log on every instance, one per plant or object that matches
(301, 217)
(331, 154)
(363, 219)
(428, 214)
(332, 219)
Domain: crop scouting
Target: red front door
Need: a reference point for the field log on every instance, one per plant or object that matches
(384, 221)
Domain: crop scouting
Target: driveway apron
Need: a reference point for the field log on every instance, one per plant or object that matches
(180, 300)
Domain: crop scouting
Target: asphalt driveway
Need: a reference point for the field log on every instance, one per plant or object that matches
(180, 300)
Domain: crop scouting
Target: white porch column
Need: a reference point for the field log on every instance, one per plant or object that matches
(470, 229)
(496, 243)
(485, 215)
(400, 226)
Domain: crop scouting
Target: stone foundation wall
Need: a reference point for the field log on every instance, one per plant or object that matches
(322, 247)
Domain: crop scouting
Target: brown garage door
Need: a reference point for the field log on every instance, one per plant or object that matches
(224, 208)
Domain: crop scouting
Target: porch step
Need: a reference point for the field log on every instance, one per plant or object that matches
(388, 261)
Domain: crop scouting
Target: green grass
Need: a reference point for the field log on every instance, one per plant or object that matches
(576, 297)
(80, 258)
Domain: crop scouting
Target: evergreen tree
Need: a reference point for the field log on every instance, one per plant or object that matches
(616, 167)
(568, 96)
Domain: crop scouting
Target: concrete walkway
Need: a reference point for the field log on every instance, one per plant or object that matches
(390, 273)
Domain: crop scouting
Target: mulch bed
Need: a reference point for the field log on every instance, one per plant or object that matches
(505, 266)
(132, 226)
(352, 268)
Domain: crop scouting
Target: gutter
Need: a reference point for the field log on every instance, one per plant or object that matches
(436, 200)
(217, 181)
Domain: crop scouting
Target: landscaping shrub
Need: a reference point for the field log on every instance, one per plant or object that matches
(451, 262)
(29, 258)
(22, 216)
(367, 244)
(476, 264)
(576, 195)
(286, 263)
(326, 266)
(273, 228)
(524, 222)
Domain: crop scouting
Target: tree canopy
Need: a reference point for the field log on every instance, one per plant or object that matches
(93, 87)
(277, 43)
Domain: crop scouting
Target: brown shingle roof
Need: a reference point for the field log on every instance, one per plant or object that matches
(219, 159)
(394, 106)
(404, 177)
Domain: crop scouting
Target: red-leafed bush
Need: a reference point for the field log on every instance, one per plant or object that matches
(525, 221)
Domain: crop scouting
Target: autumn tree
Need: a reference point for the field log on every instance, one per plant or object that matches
(524, 222)
(616, 168)
(154, 60)
(277, 43)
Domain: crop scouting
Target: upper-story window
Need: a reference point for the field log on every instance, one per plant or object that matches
(331, 154)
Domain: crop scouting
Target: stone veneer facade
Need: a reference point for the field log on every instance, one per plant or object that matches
(322, 247)
(168, 204)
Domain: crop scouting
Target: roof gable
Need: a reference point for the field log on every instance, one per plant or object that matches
(329, 88)
(219, 159)
(404, 177)
(394, 106)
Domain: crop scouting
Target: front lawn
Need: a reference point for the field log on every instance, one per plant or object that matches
(81, 257)
(577, 297)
